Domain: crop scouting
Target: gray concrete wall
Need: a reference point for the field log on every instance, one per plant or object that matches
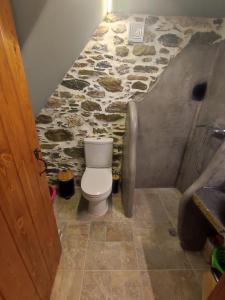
(52, 34)
(162, 141)
(204, 144)
(200, 8)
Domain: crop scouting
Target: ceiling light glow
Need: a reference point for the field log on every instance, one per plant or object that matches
(109, 6)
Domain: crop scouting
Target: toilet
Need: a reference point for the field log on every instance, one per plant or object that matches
(96, 182)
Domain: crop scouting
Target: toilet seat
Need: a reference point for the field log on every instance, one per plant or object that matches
(96, 183)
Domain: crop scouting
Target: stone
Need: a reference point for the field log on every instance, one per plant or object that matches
(55, 103)
(81, 57)
(99, 130)
(75, 84)
(150, 20)
(218, 21)
(43, 119)
(162, 61)
(138, 85)
(75, 121)
(143, 49)
(111, 84)
(80, 65)
(68, 76)
(96, 94)
(91, 61)
(170, 40)
(90, 105)
(55, 155)
(59, 135)
(100, 47)
(85, 114)
(188, 32)
(109, 117)
(117, 107)
(111, 18)
(129, 61)
(164, 51)
(109, 56)
(122, 51)
(137, 77)
(123, 69)
(79, 97)
(117, 40)
(66, 95)
(103, 64)
(119, 28)
(90, 73)
(73, 103)
(74, 152)
(101, 31)
(55, 94)
(145, 69)
(205, 38)
(48, 146)
(147, 59)
(97, 57)
(149, 36)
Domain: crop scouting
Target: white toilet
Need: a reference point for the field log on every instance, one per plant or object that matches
(96, 183)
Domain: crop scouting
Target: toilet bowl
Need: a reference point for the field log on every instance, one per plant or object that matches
(96, 182)
(96, 186)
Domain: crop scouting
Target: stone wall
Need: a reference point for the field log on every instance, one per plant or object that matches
(92, 97)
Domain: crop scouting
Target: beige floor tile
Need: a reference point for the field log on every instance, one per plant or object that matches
(117, 209)
(170, 199)
(147, 286)
(126, 285)
(96, 285)
(114, 251)
(67, 285)
(148, 208)
(157, 249)
(98, 231)
(111, 256)
(66, 210)
(73, 254)
(175, 285)
(73, 230)
(119, 231)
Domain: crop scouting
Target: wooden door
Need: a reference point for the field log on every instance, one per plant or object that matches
(30, 246)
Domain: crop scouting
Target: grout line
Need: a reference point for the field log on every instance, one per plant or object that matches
(139, 270)
(85, 256)
(167, 212)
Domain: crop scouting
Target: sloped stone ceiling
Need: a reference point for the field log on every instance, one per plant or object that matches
(91, 99)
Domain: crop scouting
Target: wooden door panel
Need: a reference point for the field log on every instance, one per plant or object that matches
(16, 213)
(22, 156)
(20, 111)
(24, 195)
(18, 287)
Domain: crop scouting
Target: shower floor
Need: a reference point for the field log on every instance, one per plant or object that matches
(113, 257)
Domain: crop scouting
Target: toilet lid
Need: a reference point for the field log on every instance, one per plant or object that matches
(96, 181)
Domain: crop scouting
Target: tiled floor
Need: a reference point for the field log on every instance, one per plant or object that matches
(113, 257)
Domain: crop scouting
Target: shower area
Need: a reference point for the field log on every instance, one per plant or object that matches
(175, 135)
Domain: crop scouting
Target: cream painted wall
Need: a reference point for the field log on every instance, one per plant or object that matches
(204, 8)
(52, 34)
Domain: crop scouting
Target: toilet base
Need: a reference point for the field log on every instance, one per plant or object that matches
(98, 208)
